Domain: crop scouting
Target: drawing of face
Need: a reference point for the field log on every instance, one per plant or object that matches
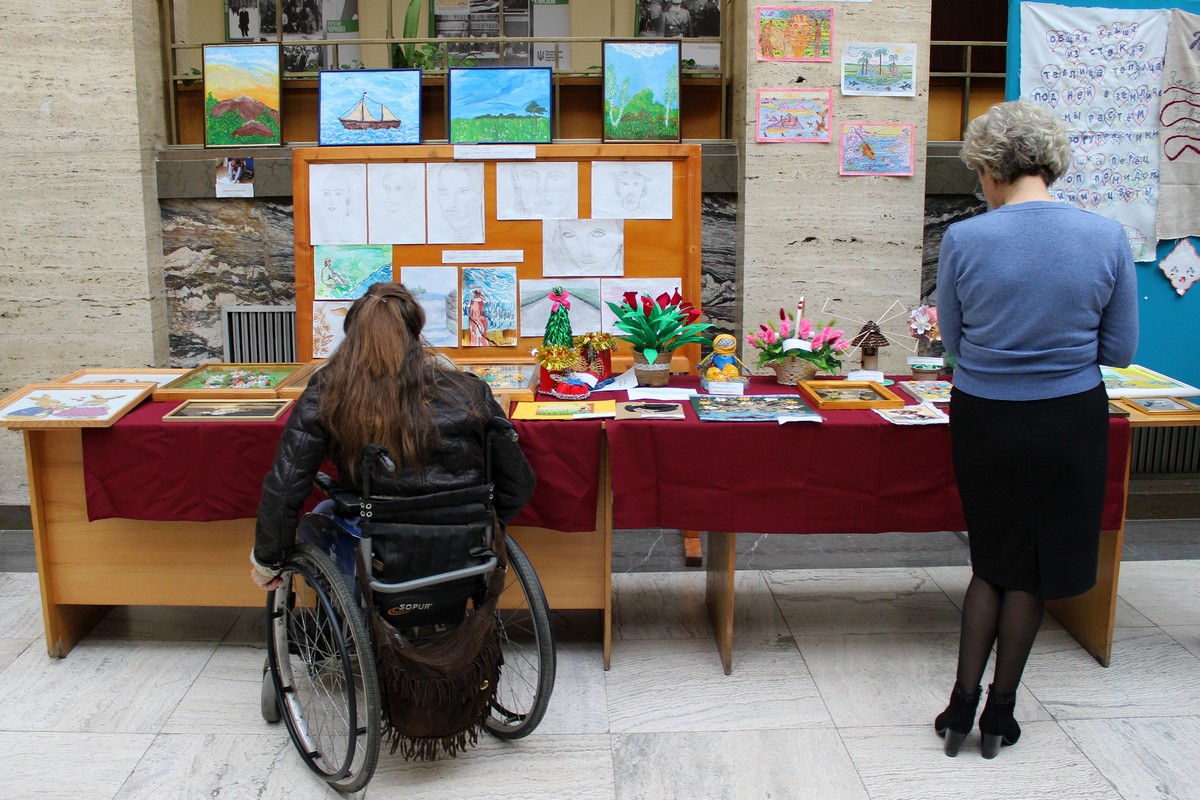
(337, 196)
(397, 189)
(458, 197)
(542, 192)
(631, 188)
(591, 242)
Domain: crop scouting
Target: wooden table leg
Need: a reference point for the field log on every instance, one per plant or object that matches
(1090, 617)
(718, 594)
(693, 554)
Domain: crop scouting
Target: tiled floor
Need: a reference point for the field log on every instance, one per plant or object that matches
(838, 673)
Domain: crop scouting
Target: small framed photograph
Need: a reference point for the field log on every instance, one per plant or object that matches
(228, 382)
(149, 375)
(59, 405)
(848, 394)
(227, 411)
(499, 105)
(1161, 405)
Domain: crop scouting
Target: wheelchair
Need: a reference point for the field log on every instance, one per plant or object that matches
(320, 674)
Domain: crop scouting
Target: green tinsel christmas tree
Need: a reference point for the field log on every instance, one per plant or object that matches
(558, 326)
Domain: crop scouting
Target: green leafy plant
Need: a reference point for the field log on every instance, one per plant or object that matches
(660, 324)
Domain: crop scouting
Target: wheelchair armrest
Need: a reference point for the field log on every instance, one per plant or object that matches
(346, 501)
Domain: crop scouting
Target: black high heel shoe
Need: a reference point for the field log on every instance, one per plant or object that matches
(996, 723)
(957, 720)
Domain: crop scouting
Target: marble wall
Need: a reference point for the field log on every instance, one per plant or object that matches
(81, 266)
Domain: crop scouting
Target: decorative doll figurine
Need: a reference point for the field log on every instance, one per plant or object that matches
(722, 364)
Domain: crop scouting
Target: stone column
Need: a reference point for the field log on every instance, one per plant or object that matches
(804, 230)
(81, 262)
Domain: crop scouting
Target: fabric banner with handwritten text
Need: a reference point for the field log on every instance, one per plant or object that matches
(1179, 121)
(1100, 69)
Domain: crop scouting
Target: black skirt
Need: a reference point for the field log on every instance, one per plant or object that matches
(1031, 475)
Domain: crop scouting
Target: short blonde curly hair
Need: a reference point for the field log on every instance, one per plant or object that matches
(1015, 139)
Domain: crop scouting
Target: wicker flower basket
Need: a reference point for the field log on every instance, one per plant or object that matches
(648, 374)
(793, 369)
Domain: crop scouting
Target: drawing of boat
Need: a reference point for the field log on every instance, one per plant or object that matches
(359, 118)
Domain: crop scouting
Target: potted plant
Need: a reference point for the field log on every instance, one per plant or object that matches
(656, 326)
(796, 348)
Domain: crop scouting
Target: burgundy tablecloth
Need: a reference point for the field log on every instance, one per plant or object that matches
(144, 468)
(853, 473)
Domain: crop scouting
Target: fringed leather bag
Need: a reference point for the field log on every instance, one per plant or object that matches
(436, 695)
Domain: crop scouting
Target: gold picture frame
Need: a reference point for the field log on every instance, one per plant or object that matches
(244, 410)
(61, 405)
(1160, 405)
(294, 386)
(848, 394)
(510, 383)
(156, 375)
(227, 382)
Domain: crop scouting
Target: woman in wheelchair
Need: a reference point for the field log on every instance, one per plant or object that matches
(383, 386)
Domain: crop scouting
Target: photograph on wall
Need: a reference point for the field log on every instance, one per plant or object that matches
(687, 19)
(537, 190)
(632, 190)
(489, 105)
(329, 326)
(882, 69)
(242, 95)
(346, 271)
(580, 248)
(551, 18)
(641, 91)
(788, 33)
(489, 307)
(480, 20)
(369, 106)
(454, 207)
(614, 291)
(794, 115)
(436, 289)
(395, 203)
(235, 177)
(56, 405)
(583, 297)
(337, 203)
(877, 148)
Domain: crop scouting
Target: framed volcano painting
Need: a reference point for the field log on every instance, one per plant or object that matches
(241, 95)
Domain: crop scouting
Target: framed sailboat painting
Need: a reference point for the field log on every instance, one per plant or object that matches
(369, 106)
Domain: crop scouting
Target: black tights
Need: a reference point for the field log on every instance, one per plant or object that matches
(1007, 618)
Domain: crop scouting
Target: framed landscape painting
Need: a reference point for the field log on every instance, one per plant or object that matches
(228, 382)
(492, 105)
(242, 95)
(369, 106)
(641, 91)
(227, 411)
(60, 405)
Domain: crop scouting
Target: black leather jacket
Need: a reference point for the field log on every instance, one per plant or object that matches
(305, 443)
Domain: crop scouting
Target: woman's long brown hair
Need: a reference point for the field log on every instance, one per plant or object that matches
(376, 384)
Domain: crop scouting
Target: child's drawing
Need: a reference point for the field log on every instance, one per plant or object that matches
(583, 247)
(879, 69)
(345, 272)
(632, 190)
(329, 326)
(795, 34)
(489, 306)
(337, 203)
(395, 203)
(455, 203)
(794, 115)
(873, 148)
(583, 295)
(537, 190)
(436, 289)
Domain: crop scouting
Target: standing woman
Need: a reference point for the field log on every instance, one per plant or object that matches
(383, 386)
(1033, 297)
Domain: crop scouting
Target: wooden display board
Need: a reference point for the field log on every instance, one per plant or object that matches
(653, 248)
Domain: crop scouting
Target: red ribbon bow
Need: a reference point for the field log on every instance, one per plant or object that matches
(559, 299)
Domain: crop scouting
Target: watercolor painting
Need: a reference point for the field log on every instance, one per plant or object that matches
(537, 190)
(499, 104)
(242, 95)
(583, 295)
(369, 106)
(148, 375)
(795, 115)
(346, 271)
(395, 203)
(489, 307)
(329, 321)
(337, 203)
(641, 91)
(436, 289)
(787, 33)
(881, 69)
(877, 148)
(580, 248)
(55, 405)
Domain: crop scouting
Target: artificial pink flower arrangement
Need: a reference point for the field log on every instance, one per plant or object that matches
(777, 341)
(923, 324)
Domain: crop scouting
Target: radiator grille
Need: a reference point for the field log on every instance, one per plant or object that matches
(1164, 451)
(259, 334)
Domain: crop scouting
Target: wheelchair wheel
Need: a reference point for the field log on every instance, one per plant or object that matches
(527, 678)
(323, 670)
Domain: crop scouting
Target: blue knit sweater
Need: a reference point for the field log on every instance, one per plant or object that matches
(1033, 297)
